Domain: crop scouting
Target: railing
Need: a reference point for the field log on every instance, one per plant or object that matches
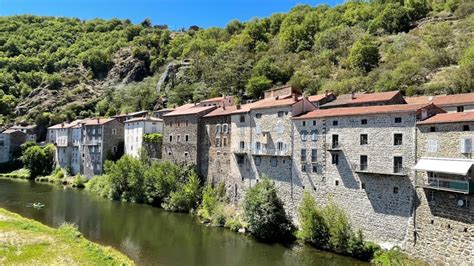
(455, 185)
(92, 141)
(240, 150)
(272, 152)
(381, 171)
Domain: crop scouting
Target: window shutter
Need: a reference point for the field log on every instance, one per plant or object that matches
(466, 145)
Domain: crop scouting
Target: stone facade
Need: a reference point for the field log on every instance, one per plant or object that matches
(444, 227)
(102, 139)
(10, 141)
(183, 137)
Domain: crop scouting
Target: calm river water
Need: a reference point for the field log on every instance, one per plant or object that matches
(151, 236)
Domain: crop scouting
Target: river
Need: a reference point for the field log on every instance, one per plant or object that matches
(152, 236)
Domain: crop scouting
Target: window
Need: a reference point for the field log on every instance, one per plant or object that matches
(280, 146)
(274, 161)
(171, 138)
(363, 121)
(186, 122)
(364, 139)
(303, 168)
(179, 123)
(362, 185)
(240, 159)
(114, 131)
(397, 139)
(242, 145)
(218, 142)
(465, 128)
(397, 164)
(334, 123)
(218, 129)
(460, 109)
(242, 118)
(314, 135)
(225, 128)
(335, 159)
(314, 122)
(395, 190)
(224, 142)
(363, 162)
(314, 155)
(432, 145)
(186, 154)
(432, 129)
(258, 145)
(114, 148)
(337, 182)
(431, 196)
(303, 155)
(281, 113)
(178, 138)
(398, 120)
(186, 138)
(258, 115)
(258, 160)
(303, 123)
(304, 135)
(335, 141)
(314, 168)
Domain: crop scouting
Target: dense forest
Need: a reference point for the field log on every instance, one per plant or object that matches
(56, 69)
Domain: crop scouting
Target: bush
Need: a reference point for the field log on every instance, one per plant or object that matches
(100, 185)
(394, 257)
(209, 203)
(340, 229)
(265, 215)
(39, 160)
(186, 198)
(79, 181)
(314, 229)
(160, 180)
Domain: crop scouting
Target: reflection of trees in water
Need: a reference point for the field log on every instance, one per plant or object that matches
(130, 248)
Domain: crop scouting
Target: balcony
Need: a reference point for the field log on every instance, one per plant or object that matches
(335, 146)
(447, 184)
(366, 169)
(92, 141)
(271, 152)
(240, 150)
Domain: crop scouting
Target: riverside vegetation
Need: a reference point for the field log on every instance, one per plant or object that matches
(27, 242)
(416, 46)
(178, 188)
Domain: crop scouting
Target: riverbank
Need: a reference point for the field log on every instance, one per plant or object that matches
(25, 241)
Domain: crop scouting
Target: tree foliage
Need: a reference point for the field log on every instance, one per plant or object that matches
(39, 160)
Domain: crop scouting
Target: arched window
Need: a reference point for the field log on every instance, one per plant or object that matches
(218, 128)
(225, 128)
(304, 135)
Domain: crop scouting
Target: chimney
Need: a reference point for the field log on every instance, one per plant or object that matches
(295, 97)
(98, 120)
(353, 96)
(326, 93)
(430, 99)
(223, 107)
(238, 106)
(62, 124)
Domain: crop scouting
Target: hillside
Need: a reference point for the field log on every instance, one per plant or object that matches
(56, 69)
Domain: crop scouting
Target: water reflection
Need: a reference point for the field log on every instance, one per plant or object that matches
(150, 235)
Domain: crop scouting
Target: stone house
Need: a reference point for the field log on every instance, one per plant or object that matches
(365, 99)
(135, 129)
(284, 90)
(261, 142)
(183, 136)
(360, 157)
(218, 101)
(67, 140)
(321, 99)
(450, 103)
(29, 130)
(444, 214)
(10, 142)
(216, 154)
(102, 139)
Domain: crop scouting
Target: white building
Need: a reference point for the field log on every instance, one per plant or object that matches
(67, 139)
(135, 129)
(10, 141)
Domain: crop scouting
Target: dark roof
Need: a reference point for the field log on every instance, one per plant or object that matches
(362, 98)
(449, 118)
(189, 111)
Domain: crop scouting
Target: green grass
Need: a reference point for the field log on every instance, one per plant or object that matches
(20, 173)
(27, 242)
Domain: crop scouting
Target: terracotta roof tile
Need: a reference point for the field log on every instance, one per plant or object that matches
(362, 110)
(96, 121)
(449, 118)
(215, 99)
(267, 103)
(361, 98)
(445, 100)
(319, 97)
(189, 111)
(221, 111)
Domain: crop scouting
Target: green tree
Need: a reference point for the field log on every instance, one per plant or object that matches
(257, 85)
(265, 215)
(364, 54)
(314, 228)
(39, 160)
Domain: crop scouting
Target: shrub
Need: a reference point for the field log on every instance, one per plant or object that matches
(160, 180)
(57, 176)
(209, 203)
(39, 160)
(314, 229)
(340, 229)
(100, 185)
(265, 215)
(79, 181)
(394, 257)
(186, 198)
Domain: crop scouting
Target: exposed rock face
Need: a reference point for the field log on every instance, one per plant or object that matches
(82, 90)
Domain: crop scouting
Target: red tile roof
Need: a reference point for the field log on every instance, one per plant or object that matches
(96, 121)
(361, 98)
(189, 111)
(267, 103)
(221, 111)
(319, 97)
(362, 110)
(444, 100)
(215, 99)
(448, 118)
